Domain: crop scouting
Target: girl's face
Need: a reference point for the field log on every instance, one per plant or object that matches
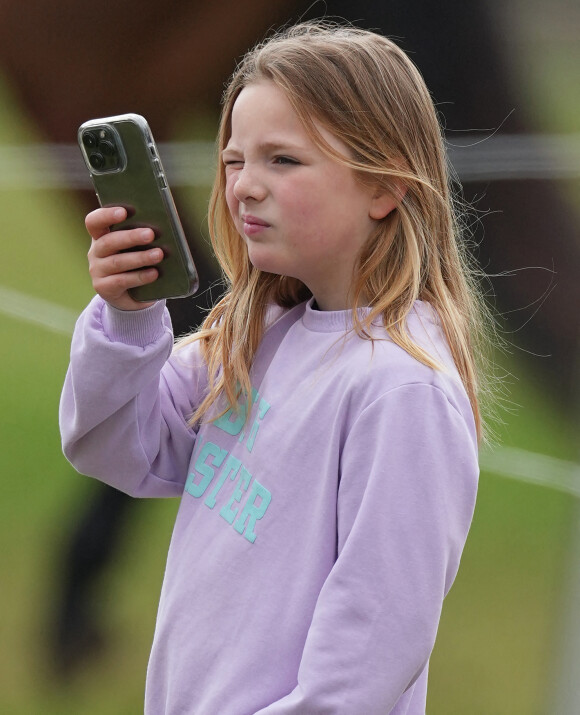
(301, 213)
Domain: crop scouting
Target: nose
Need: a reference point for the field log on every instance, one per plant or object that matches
(249, 184)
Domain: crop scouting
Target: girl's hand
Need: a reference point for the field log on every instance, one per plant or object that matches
(113, 272)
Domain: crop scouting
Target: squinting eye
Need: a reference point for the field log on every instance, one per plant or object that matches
(234, 163)
(284, 160)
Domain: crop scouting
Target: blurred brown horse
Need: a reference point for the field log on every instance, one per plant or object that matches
(71, 60)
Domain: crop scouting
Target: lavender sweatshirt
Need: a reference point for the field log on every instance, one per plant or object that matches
(315, 541)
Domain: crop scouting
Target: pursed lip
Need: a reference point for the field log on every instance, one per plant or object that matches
(254, 226)
(253, 220)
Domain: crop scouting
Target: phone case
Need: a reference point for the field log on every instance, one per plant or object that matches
(126, 170)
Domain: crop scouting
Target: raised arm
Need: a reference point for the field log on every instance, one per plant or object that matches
(125, 403)
(124, 407)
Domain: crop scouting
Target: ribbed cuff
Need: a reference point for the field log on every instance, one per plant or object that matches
(134, 327)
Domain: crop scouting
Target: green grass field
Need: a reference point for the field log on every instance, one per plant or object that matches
(498, 634)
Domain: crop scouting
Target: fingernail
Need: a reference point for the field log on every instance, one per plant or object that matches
(146, 234)
(119, 213)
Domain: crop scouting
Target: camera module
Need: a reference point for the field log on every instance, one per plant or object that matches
(103, 149)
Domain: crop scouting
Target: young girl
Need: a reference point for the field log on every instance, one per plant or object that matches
(322, 427)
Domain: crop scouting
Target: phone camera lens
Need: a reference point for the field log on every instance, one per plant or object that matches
(107, 148)
(97, 161)
(89, 140)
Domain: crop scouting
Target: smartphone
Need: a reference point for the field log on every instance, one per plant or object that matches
(126, 171)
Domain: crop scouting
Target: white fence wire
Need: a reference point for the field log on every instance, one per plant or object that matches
(475, 157)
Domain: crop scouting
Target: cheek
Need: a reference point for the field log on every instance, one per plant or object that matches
(313, 214)
(302, 203)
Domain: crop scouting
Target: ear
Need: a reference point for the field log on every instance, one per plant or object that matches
(383, 202)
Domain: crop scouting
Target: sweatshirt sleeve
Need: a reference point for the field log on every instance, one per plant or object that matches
(408, 484)
(125, 402)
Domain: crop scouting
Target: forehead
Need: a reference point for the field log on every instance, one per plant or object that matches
(263, 104)
(263, 113)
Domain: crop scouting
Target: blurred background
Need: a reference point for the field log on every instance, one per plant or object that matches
(81, 567)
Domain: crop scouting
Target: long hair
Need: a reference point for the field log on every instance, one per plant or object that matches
(365, 90)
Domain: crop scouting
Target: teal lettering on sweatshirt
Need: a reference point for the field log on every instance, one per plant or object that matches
(230, 470)
(255, 396)
(233, 420)
(206, 470)
(262, 409)
(229, 511)
(229, 425)
(248, 513)
(210, 467)
(252, 511)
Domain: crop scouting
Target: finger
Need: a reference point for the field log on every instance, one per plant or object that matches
(121, 240)
(114, 287)
(99, 221)
(124, 262)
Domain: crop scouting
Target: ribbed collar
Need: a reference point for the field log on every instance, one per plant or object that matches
(329, 321)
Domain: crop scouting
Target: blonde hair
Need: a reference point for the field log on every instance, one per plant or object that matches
(365, 90)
